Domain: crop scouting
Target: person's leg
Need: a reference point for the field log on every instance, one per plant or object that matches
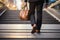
(32, 17)
(32, 13)
(39, 15)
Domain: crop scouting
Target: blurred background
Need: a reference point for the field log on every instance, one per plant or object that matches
(10, 9)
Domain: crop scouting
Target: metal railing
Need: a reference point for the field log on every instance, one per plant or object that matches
(54, 4)
(53, 12)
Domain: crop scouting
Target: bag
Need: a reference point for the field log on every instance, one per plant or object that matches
(24, 14)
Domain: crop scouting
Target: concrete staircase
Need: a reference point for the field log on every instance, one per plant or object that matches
(12, 17)
(22, 32)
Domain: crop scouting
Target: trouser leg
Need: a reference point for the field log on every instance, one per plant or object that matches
(39, 16)
(32, 13)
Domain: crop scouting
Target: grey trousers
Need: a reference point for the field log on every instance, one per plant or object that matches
(36, 19)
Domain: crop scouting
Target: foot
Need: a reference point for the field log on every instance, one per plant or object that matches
(38, 31)
(34, 25)
(34, 29)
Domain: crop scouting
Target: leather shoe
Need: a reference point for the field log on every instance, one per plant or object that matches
(38, 31)
(34, 30)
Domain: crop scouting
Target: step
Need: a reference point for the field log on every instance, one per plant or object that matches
(30, 39)
(28, 26)
(29, 35)
(28, 30)
(16, 19)
(28, 22)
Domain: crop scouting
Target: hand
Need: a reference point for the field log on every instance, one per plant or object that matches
(24, 4)
(46, 5)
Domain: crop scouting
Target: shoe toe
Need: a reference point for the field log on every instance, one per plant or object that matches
(34, 30)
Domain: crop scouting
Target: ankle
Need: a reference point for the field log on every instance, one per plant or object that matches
(34, 25)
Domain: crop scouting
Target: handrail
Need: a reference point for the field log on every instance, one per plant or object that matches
(53, 13)
(2, 12)
(53, 4)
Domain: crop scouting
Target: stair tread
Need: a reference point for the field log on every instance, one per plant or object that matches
(11, 17)
(29, 35)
